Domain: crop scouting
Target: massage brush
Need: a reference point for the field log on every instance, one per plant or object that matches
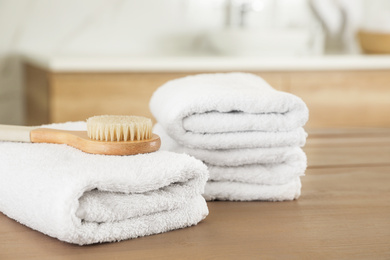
(110, 135)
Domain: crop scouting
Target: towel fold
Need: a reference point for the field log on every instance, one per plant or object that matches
(229, 110)
(82, 198)
(270, 174)
(248, 134)
(237, 191)
(265, 166)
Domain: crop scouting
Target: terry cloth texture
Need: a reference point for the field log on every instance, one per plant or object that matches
(83, 198)
(248, 133)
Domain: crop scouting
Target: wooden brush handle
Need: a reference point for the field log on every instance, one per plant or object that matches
(78, 139)
(15, 133)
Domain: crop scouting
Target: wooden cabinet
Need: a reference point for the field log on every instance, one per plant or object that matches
(334, 98)
(344, 99)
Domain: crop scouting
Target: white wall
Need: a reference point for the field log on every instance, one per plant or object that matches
(115, 27)
(92, 27)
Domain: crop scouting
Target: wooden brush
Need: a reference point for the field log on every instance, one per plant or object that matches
(110, 135)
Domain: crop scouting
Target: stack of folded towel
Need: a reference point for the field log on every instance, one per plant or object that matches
(249, 134)
(83, 198)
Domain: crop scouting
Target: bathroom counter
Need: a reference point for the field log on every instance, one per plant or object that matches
(85, 63)
(343, 213)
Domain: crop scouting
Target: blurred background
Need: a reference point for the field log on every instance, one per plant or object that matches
(67, 60)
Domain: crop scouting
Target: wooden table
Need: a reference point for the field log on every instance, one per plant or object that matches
(343, 213)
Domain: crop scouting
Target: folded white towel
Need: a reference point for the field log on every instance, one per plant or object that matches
(265, 166)
(237, 191)
(82, 198)
(270, 174)
(229, 110)
(248, 133)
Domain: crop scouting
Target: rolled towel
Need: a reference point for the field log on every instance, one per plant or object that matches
(82, 198)
(229, 110)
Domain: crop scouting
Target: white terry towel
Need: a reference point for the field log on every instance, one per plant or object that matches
(82, 198)
(269, 166)
(229, 110)
(237, 191)
(247, 174)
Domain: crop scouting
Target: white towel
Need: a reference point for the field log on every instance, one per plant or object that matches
(229, 110)
(237, 191)
(82, 198)
(264, 166)
(270, 174)
(247, 133)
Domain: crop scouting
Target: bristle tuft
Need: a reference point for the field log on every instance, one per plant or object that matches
(119, 128)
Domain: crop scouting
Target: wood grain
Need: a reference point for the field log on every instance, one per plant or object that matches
(348, 147)
(344, 99)
(334, 98)
(343, 213)
(37, 95)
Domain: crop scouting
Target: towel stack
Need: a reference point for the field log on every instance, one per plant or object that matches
(84, 198)
(249, 134)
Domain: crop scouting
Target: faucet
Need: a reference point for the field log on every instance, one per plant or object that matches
(236, 11)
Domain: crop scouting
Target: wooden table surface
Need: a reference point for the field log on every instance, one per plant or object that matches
(343, 213)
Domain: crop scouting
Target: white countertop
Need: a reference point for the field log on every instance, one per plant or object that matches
(205, 64)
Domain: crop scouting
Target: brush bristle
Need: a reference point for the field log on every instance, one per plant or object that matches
(119, 128)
